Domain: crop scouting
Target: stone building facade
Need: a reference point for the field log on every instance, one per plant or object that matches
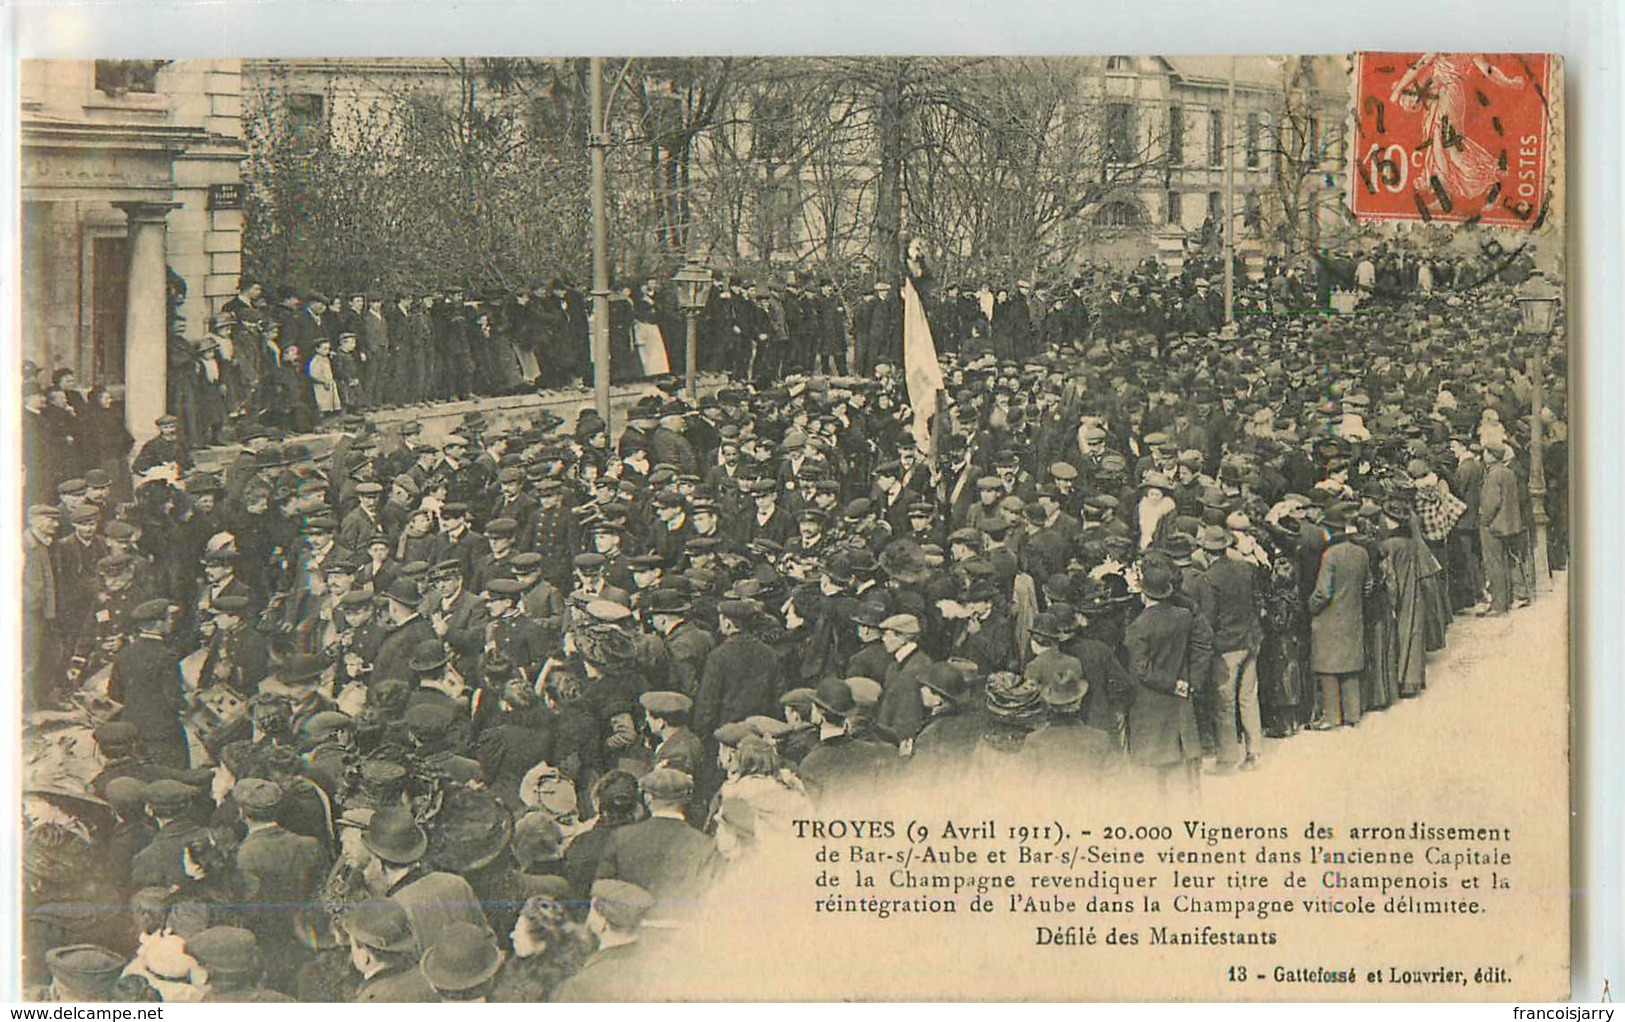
(131, 178)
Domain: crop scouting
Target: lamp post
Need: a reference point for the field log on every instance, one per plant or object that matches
(693, 284)
(1537, 301)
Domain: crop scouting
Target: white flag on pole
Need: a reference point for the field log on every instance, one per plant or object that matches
(921, 370)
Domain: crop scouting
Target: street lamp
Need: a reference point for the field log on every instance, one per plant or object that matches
(693, 284)
(1537, 300)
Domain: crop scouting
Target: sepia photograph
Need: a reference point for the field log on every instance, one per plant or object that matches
(588, 529)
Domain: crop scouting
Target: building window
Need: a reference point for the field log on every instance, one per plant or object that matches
(115, 78)
(1252, 139)
(1176, 134)
(1117, 214)
(1120, 147)
(1215, 137)
(1175, 213)
(1118, 64)
(307, 111)
(1215, 206)
(772, 119)
(1252, 216)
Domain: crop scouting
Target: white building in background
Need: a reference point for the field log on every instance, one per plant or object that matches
(1170, 115)
(130, 170)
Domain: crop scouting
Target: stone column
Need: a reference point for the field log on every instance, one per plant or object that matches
(146, 317)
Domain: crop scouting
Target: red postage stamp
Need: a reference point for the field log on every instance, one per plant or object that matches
(1451, 137)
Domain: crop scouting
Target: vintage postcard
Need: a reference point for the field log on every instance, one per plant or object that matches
(795, 528)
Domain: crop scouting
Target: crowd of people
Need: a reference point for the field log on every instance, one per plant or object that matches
(294, 358)
(482, 717)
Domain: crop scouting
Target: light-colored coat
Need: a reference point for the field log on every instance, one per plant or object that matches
(1337, 628)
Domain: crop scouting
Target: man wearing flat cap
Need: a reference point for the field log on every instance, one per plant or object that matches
(675, 746)
(1337, 621)
(739, 674)
(1225, 594)
(286, 870)
(663, 854)
(612, 973)
(165, 449)
(513, 503)
(1501, 530)
(901, 710)
(234, 960)
(238, 654)
(162, 862)
(146, 678)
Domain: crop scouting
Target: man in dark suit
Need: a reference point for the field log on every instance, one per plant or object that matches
(513, 502)
(612, 972)
(404, 630)
(162, 863)
(738, 678)
(768, 520)
(902, 712)
(1170, 649)
(663, 854)
(168, 447)
(385, 953)
(147, 680)
(1466, 569)
(1224, 593)
(1337, 627)
(879, 328)
(42, 604)
(845, 758)
(238, 654)
(286, 871)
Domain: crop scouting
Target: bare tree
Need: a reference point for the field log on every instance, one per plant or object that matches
(1303, 140)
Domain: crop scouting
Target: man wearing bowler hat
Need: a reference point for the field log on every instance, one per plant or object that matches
(841, 761)
(385, 954)
(1170, 650)
(461, 964)
(687, 644)
(433, 900)
(954, 723)
(404, 631)
(1337, 621)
